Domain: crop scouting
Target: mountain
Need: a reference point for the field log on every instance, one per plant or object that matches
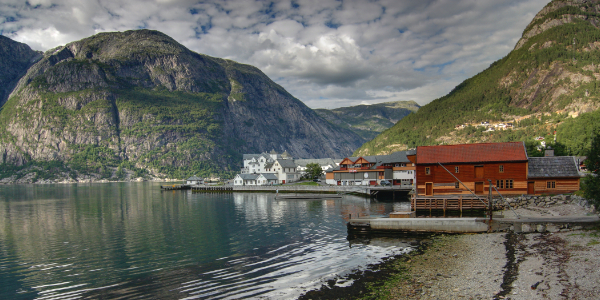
(140, 101)
(369, 120)
(15, 59)
(548, 83)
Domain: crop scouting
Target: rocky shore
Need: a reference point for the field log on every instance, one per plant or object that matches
(559, 265)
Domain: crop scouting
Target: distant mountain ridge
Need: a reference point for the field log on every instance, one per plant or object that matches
(140, 101)
(369, 120)
(548, 83)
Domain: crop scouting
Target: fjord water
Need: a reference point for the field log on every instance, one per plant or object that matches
(132, 240)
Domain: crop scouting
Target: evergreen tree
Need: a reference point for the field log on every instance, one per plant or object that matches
(591, 183)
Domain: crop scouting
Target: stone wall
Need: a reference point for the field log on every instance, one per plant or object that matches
(541, 201)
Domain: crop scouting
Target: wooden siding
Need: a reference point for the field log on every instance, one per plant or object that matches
(443, 183)
(562, 186)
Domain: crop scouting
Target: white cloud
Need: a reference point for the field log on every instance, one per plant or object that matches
(327, 53)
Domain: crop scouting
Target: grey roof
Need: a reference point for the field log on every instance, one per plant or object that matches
(246, 176)
(194, 178)
(337, 168)
(320, 161)
(269, 176)
(552, 167)
(287, 163)
(257, 156)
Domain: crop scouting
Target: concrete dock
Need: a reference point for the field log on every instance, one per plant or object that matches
(468, 225)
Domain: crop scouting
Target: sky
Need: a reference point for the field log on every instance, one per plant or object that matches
(327, 53)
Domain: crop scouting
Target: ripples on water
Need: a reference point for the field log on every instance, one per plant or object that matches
(126, 240)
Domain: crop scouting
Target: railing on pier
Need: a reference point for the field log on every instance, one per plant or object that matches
(448, 202)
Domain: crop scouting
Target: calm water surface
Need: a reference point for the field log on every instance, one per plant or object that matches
(130, 240)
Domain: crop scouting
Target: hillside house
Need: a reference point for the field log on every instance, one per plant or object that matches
(441, 169)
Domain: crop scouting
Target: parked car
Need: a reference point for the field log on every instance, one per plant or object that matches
(317, 180)
(385, 183)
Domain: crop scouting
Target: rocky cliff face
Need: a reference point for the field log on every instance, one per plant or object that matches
(15, 59)
(141, 100)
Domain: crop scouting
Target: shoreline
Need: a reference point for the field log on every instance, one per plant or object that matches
(559, 265)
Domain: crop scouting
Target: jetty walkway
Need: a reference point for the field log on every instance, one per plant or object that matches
(469, 225)
(391, 192)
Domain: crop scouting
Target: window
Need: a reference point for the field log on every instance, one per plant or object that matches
(456, 185)
(455, 169)
(501, 168)
(504, 184)
(551, 184)
(427, 171)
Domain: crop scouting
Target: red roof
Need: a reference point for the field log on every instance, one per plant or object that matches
(472, 153)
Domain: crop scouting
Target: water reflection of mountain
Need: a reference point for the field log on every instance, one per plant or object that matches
(103, 240)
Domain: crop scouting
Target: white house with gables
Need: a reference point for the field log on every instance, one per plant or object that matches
(272, 168)
(246, 179)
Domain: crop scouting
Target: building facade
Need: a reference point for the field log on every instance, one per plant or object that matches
(370, 170)
(466, 168)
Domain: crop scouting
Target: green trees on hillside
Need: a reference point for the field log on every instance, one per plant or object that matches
(591, 183)
(509, 88)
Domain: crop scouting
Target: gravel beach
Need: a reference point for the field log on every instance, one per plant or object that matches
(560, 265)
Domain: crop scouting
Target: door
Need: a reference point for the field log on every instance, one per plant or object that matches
(478, 187)
(478, 171)
(429, 188)
(530, 188)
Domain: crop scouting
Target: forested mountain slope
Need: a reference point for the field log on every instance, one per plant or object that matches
(369, 120)
(138, 100)
(548, 83)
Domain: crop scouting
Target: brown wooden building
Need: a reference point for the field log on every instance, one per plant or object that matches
(441, 169)
(370, 170)
(553, 175)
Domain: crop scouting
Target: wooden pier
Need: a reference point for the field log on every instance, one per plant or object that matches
(212, 189)
(448, 202)
(175, 187)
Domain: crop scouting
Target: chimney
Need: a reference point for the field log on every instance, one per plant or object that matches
(549, 152)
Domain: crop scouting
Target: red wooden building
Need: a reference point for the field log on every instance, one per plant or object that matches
(456, 169)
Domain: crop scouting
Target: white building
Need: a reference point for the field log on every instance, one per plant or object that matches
(274, 168)
(246, 179)
(194, 180)
(326, 164)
